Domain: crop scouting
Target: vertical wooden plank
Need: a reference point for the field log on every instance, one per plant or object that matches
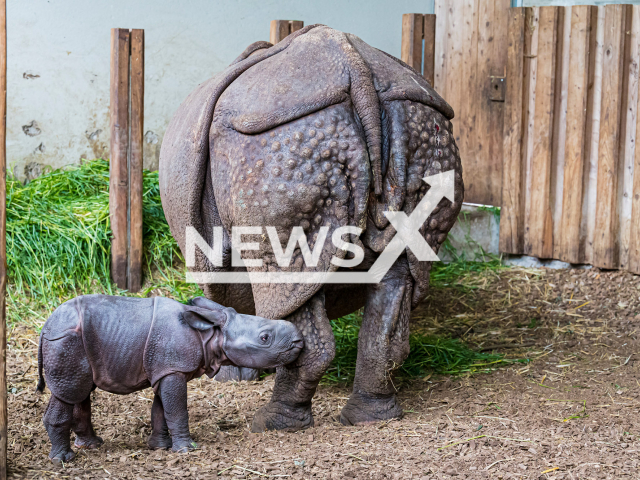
(634, 230)
(576, 140)
(134, 283)
(464, 96)
(539, 230)
(489, 114)
(411, 48)
(512, 213)
(531, 70)
(559, 123)
(628, 132)
(442, 13)
(295, 25)
(429, 34)
(279, 30)
(3, 239)
(118, 171)
(592, 134)
(606, 238)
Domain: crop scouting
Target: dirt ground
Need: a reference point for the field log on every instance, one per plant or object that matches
(571, 413)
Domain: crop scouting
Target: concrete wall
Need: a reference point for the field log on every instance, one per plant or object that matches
(58, 61)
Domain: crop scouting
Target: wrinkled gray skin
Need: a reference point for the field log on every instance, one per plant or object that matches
(320, 129)
(123, 345)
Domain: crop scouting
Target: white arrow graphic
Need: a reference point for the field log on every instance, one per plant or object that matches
(407, 227)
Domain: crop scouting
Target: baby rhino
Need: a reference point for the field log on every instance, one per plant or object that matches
(123, 345)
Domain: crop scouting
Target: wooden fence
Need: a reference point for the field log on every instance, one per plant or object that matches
(571, 190)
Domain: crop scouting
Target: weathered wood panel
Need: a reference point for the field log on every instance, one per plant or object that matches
(282, 28)
(634, 228)
(429, 35)
(606, 239)
(119, 174)
(134, 274)
(628, 131)
(580, 71)
(512, 212)
(539, 229)
(412, 35)
(469, 71)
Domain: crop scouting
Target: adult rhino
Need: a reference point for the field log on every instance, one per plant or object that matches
(319, 130)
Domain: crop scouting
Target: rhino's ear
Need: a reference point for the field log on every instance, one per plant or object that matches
(202, 319)
(204, 302)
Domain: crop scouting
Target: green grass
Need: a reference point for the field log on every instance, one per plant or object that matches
(58, 240)
(58, 246)
(429, 355)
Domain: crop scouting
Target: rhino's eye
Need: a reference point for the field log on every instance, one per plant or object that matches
(264, 338)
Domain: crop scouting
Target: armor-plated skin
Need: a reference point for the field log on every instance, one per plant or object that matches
(123, 345)
(320, 130)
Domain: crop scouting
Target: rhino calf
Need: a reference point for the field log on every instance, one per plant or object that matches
(123, 345)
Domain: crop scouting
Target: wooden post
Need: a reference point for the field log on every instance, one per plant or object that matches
(118, 170)
(419, 43)
(135, 163)
(411, 53)
(3, 241)
(283, 28)
(429, 57)
(125, 185)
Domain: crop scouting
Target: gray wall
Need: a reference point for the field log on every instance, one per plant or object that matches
(58, 61)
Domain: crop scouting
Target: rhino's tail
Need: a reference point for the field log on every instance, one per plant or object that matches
(41, 382)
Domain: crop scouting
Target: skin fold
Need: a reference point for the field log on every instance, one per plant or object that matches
(319, 131)
(123, 345)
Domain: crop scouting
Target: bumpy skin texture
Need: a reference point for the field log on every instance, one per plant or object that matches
(320, 130)
(123, 345)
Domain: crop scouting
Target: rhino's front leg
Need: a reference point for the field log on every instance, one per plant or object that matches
(159, 438)
(296, 383)
(383, 345)
(173, 394)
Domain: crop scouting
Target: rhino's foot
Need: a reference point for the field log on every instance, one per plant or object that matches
(280, 416)
(88, 442)
(61, 457)
(229, 373)
(362, 409)
(183, 445)
(159, 442)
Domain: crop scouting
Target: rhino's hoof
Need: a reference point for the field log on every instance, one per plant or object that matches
(364, 409)
(63, 457)
(88, 443)
(159, 442)
(184, 446)
(280, 416)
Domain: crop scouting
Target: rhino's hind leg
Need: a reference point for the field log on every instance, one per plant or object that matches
(296, 383)
(229, 373)
(383, 345)
(159, 438)
(57, 421)
(85, 435)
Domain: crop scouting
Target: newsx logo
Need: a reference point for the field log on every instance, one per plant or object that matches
(407, 235)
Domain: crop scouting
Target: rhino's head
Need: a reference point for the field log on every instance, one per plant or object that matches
(246, 340)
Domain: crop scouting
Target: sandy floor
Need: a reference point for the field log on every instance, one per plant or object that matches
(571, 413)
